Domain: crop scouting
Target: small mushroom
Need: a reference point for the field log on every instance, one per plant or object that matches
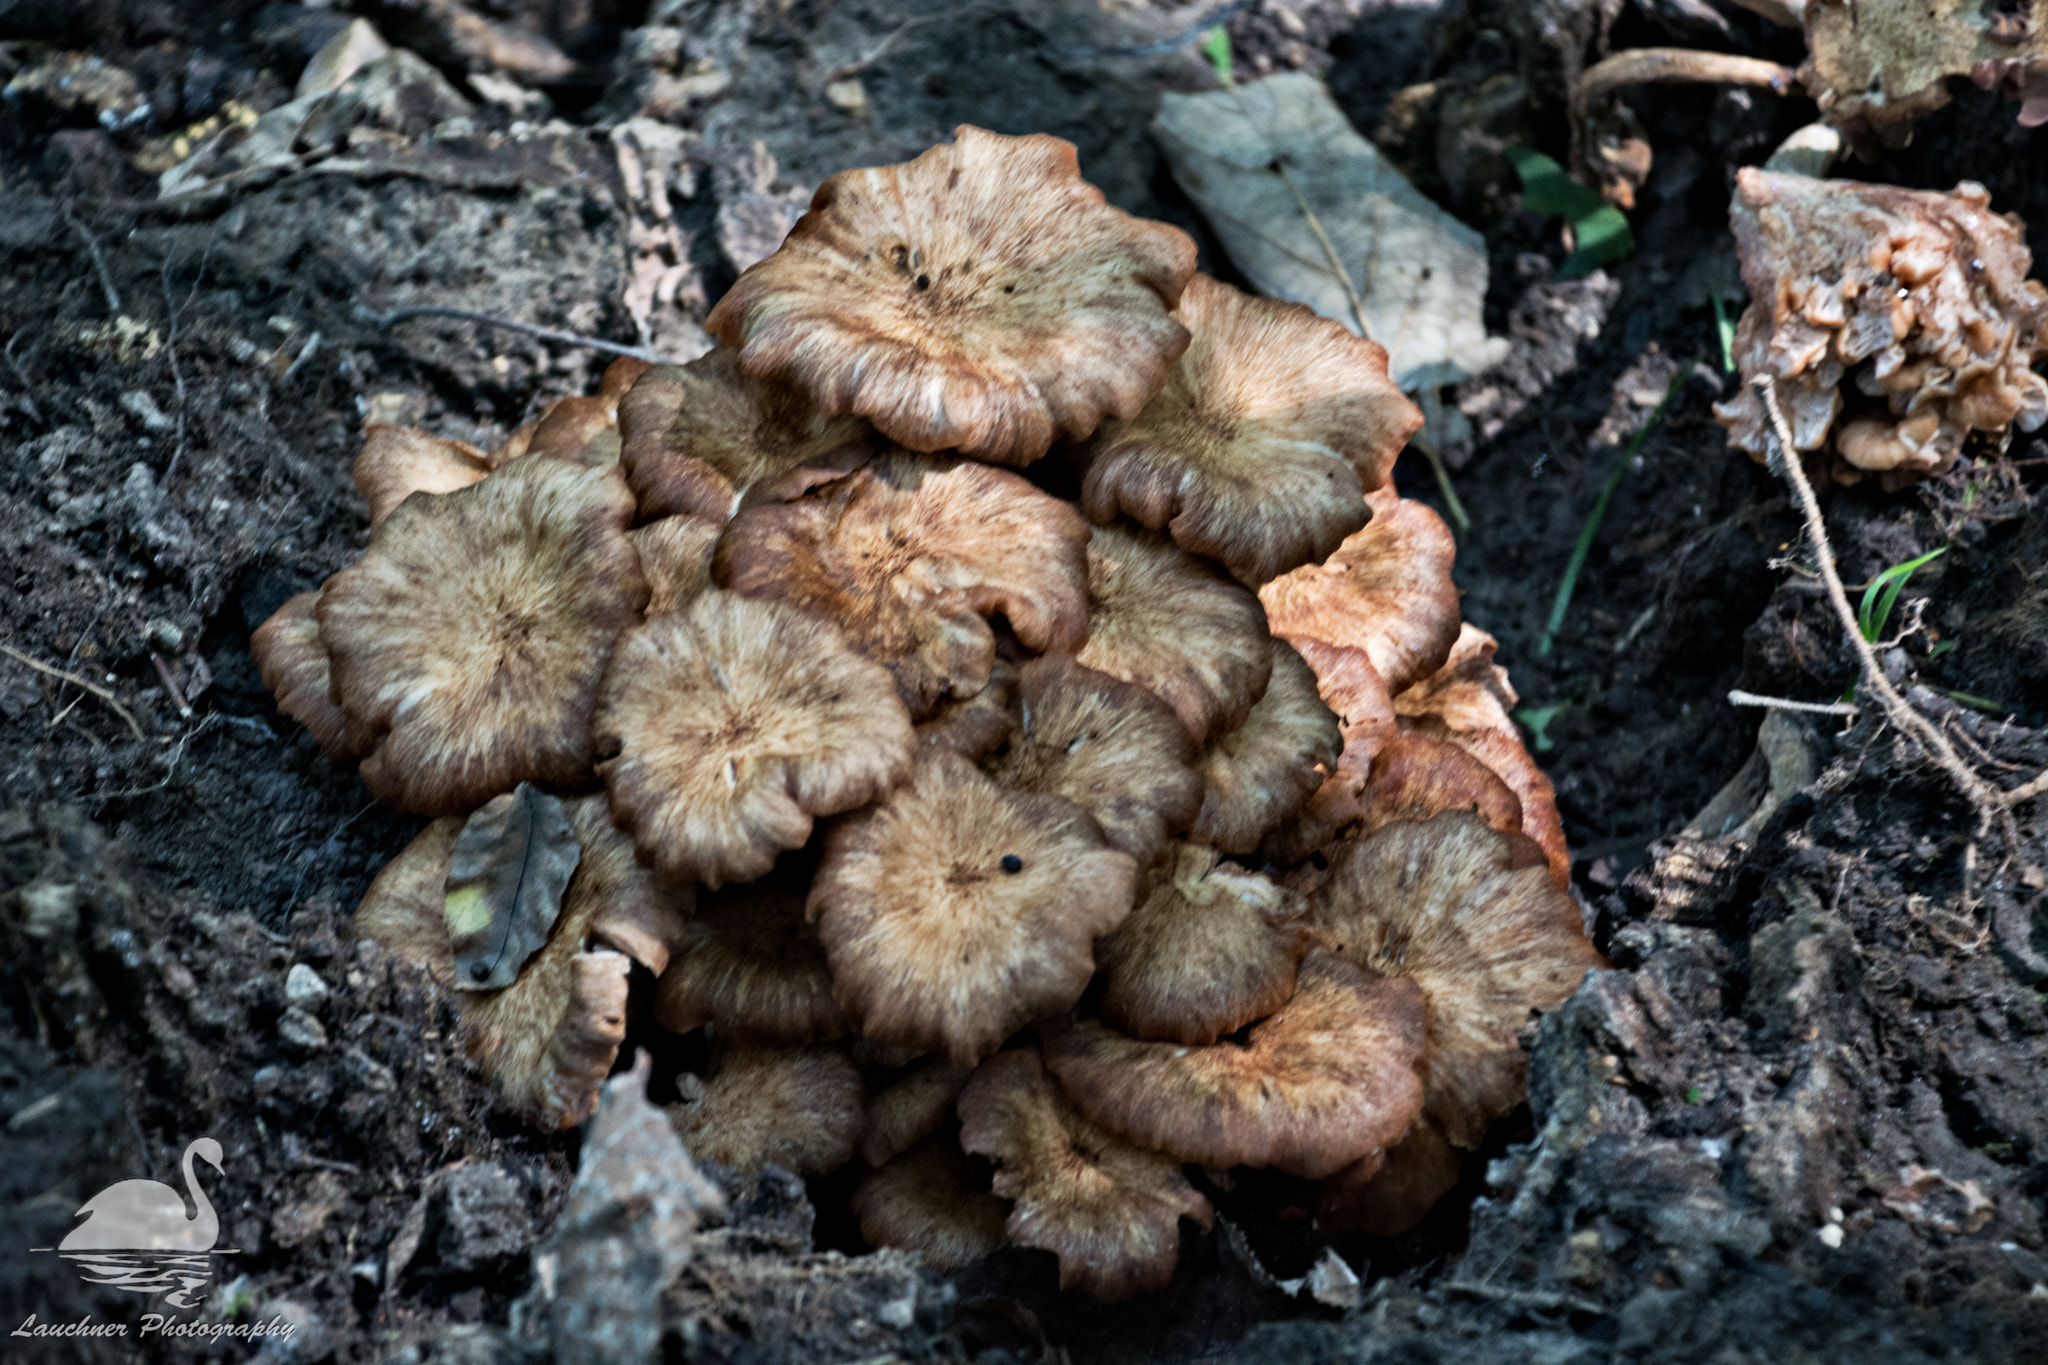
(981, 298)
(675, 556)
(911, 555)
(1110, 747)
(751, 965)
(578, 430)
(1177, 626)
(1457, 908)
(1327, 1080)
(910, 1109)
(706, 438)
(469, 638)
(1257, 452)
(1258, 775)
(727, 726)
(955, 912)
(1212, 948)
(1109, 1209)
(294, 666)
(794, 1107)
(933, 1199)
(1387, 590)
(397, 462)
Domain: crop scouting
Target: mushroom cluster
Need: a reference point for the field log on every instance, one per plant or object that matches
(1917, 301)
(1000, 699)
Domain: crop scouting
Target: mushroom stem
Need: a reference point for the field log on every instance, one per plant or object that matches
(1645, 65)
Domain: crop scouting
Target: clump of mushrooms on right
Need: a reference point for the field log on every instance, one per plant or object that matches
(1044, 859)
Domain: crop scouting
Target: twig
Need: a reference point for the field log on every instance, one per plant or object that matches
(385, 321)
(171, 688)
(177, 372)
(1645, 65)
(108, 697)
(99, 264)
(305, 354)
(1738, 697)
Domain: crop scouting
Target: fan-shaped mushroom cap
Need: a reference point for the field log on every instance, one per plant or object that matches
(397, 462)
(470, 636)
(294, 666)
(1327, 1080)
(1213, 947)
(955, 912)
(752, 965)
(1503, 753)
(1264, 771)
(1110, 1210)
(705, 437)
(1448, 903)
(548, 1040)
(1468, 692)
(1922, 298)
(981, 298)
(794, 1107)
(1110, 747)
(1414, 777)
(974, 726)
(1176, 626)
(1878, 66)
(731, 723)
(1270, 429)
(675, 556)
(1389, 1194)
(1387, 590)
(910, 555)
(932, 1199)
(910, 1109)
(1352, 688)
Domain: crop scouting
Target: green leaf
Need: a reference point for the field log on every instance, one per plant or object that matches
(1599, 231)
(1537, 719)
(1724, 327)
(1216, 47)
(513, 861)
(1883, 593)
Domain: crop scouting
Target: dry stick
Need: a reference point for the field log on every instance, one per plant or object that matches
(382, 321)
(99, 264)
(108, 697)
(1738, 697)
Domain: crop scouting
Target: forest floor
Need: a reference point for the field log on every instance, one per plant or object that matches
(1805, 1116)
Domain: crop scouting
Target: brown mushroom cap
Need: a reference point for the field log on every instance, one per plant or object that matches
(1448, 903)
(1327, 1080)
(1387, 590)
(974, 726)
(548, 1040)
(1414, 777)
(1263, 772)
(955, 912)
(910, 1109)
(751, 964)
(294, 666)
(470, 636)
(1387, 1195)
(397, 462)
(794, 1107)
(932, 1199)
(910, 555)
(1468, 692)
(1110, 747)
(1259, 449)
(1504, 755)
(1876, 68)
(1110, 1210)
(675, 556)
(981, 298)
(1176, 626)
(731, 723)
(704, 437)
(1352, 688)
(1212, 948)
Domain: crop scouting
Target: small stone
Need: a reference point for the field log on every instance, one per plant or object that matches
(485, 1219)
(849, 95)
(1831, 1236)
(300, 1032)
(166, 636)
(303, 986)
(139, 405)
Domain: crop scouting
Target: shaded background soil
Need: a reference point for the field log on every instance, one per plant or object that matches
(1796, 1017)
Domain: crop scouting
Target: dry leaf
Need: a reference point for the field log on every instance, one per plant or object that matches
(513, 861)
(1420, 272)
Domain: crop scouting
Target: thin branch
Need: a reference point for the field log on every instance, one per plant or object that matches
(1738, 697)
(99, 264)
(102, 693)
(385, 321)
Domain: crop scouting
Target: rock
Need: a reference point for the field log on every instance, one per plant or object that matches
(303, 986)
(300, 1032)
(484, 1218)
(138, 404)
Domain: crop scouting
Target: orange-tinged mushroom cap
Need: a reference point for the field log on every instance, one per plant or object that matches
(1211, 949)
(1109, 1209)
(752, 965)
(910, 555)
(1110, 747)
(731, 723)
(1177, 626)
(955, 912)
(1414, 777)
(294, 666)
(1448, 903)
(981, 298)
(1505, 756)
(706, 437)
(1263, 772)
(397, 462)
(470, 636)
(1387, 590)
(1270, 429)
(794, 1107)
(1469, 691)
(1327, 1080)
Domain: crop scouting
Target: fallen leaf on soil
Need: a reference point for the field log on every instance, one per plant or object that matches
(1420, 272)
(513, 861)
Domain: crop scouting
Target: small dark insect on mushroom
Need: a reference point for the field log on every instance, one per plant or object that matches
(1012, 864)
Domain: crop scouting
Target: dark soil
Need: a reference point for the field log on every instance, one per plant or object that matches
(1714, 1165)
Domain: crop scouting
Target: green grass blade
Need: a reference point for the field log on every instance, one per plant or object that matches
(1883, 594)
